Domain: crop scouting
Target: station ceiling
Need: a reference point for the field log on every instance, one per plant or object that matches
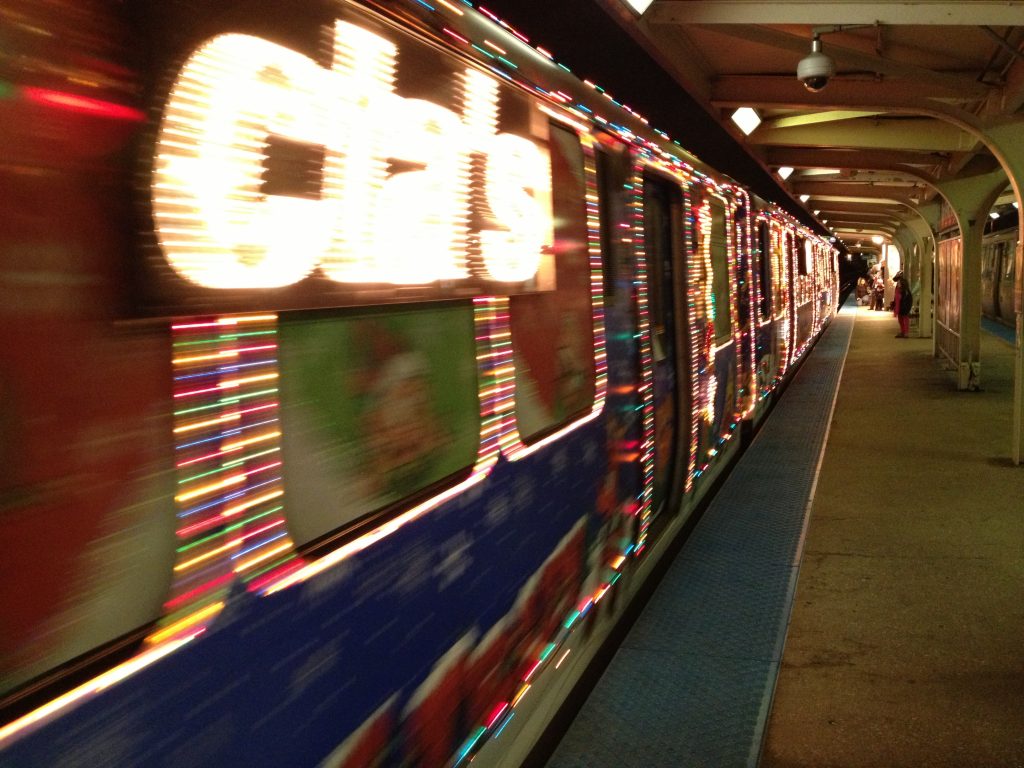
(866, 149)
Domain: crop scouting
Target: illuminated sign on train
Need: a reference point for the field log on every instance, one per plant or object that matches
(271, 168)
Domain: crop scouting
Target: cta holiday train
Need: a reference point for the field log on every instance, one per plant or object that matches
(358, 364)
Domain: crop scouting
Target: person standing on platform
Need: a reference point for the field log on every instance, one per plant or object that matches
(902, 303)
(862, 290)
(878, 293)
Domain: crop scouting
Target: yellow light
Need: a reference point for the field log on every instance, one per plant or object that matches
(184, 566)
(229, 447)
(263, 556)
(189, 621)
(430, 202)
(747, 119)
(203, 358)
(232, 93)
(95, 685)
(450, 7)
(225, 483)
(236, 508)
(522, 692)
(562, 118)
(207, 423)
(519, 193)
(219, 229)
(236, 383)
(639, 5)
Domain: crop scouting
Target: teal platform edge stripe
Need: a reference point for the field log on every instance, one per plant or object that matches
(693, 681)
(999, 330)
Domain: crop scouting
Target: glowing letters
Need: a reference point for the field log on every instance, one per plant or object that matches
(395, 200)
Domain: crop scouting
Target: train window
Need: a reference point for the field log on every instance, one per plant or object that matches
(662, 203)
(663, 215)
(553, 332)
(377, 406)
(1008, 259)
(780, 272)
(720, 270)
(764, 245)
(607, 197)
(803, 256)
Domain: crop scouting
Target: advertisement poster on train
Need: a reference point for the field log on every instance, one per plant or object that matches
(552, 333)
(376, 408)
(85, 494)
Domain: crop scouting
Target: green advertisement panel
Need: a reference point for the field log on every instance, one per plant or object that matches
(375, 407)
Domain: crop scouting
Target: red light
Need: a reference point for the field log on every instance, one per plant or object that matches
(82, 104)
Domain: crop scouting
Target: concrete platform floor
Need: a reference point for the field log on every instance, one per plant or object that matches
(906, 643)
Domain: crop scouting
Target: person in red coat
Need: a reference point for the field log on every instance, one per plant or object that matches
(902, 303)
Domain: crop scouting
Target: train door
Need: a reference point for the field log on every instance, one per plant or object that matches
(796, 299)
(990, 275)
(746, 312)
(765, 362)
(1007, 280)
(803, 292)
(625, 432)
(662, 222)
(725, 354)
(781, 296)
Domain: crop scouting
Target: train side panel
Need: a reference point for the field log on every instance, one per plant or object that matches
(359, 444)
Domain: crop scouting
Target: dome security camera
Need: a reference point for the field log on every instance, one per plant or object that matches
(815, 69)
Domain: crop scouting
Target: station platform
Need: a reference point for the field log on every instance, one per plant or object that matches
(852, 596)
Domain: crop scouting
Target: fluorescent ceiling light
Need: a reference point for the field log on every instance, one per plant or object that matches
(994, 214)
(784, 172)
(639, 5)
(877, 239)
(804, 198)
(747, 119)
(817, 211)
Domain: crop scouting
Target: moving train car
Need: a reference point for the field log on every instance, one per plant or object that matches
(357, 365)
(997, 275)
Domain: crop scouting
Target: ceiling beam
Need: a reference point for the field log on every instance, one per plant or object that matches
(996, 13)
(916, 134)
(851, 59)
(843, 92)
(865, 226)
(856, 211)
(812, 118)
(845, 212)
(863, 219)
(1013, 91)
(879, 159)
(866, 176)
(858, 226)
(832, 189)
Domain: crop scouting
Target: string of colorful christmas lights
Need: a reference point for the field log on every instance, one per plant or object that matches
(228, 458)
